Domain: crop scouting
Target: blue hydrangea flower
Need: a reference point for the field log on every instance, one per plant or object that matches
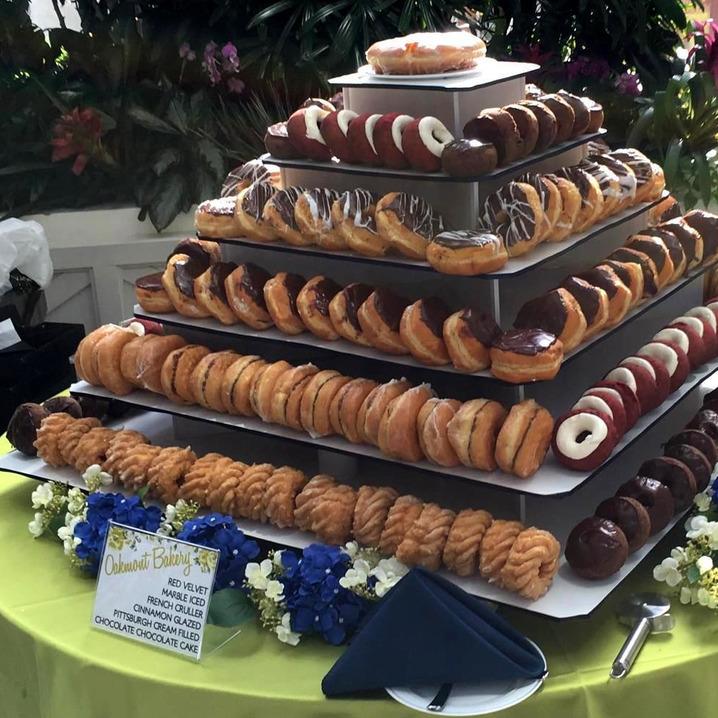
(235, 549)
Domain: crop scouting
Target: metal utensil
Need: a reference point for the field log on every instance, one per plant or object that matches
(439, 700)
(646, 613)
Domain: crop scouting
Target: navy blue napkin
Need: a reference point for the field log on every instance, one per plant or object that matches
(427, 631)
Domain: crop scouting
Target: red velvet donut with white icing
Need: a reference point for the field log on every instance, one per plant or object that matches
(361, 139)
(583, 439)
(334, 130)
(388, 140)
(658, 373)
(712, 304)
(672, 357)
(303, 130)
(609, 404)
(625, 393)
(710, 328)
(640, 381)
(687, 339)
(423, 141)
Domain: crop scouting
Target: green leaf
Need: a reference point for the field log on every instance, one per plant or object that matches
(692, 573)
(25, 167)
(229, 607)
(211, 154)
(146, 119)
(165, 159)
(269, 12)
(55, 524)
(168, 202)
(670, 165)
(143, 492)
(703, 177)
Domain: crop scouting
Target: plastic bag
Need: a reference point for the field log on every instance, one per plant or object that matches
(23, 246)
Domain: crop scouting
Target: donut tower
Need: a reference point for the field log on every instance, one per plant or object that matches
(301, 265)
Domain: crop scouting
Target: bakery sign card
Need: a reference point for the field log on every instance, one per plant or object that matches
(154, 589)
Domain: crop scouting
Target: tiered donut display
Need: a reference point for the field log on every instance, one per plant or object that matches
(406, 423)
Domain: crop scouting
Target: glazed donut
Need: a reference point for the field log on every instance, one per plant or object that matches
(344, 312)
(216, 218)
(345, 406)
(398, 433)
(591, 197)
(304, 132)
(353, 219)
(583, 439)
(279, 213)
(640, 381)
(642, 168)
(524, 355)
(658, 373)
(151, 294)
(423, 141)
(129, 359)
(581, 116)
(210, 292)
(246, 174)
(313, 306)
(313, 213)
(293, 380)
(556, 312)
(706, 224)
(280, 296)
(497, 125)
(473, 430)
(631, 275)
(237, 384)
(407, 222)
(527, 125)
(593, 302)
(250, 208)
(262, 388)
(648, 267)
(150, 359)
(334, 130)
(207, 378)
(514, 212)
(687, 339)
(570, 208)
(421, 331)
(608, 183)
(86, 356)
(245, 293)
(532, 563)
(373, 407)
(177, 371)
(387, 136)
(595, 114)
(627, 183)
(524, 438)
(107, 355)
(379, 318)
(469, 336)
(468, 158)
(654, 248)
(466, 252)
(565, 116)
(360, 136)
(690, 240)
(611, 389)
(316, 400)
(672, 357)
(608, 403)
(431, 424)
(547, 123)
(550, 199)
(178, 281)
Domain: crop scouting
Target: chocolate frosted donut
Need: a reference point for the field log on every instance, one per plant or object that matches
(469, 335)
(672, 244)
(581, 115)
(626, 177)
(648, 268)
(689, 239)
(706, 223)
(278, 144)
(433, 313)
(150, 282)
(218, 273)
(199, 250)
(655, 497)
(514, 212)
(380, 316)
(469, 158)
(185, 272)
(498, 127)
(23, 426)
(695, 460)
(344, 308)
(565, 116)
(596, 548)
(526, 355)
(527, 124)
(706, 420)
(630, 516)
(675, 475)
(245, 293)
(556, 312)
(698, 439)
(595, 114)
(243, 176)
(547, 125)
(65, 404)
(313, 306)
(593, 302)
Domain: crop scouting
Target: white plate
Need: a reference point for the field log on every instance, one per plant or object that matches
(478, 67)
(471, 700)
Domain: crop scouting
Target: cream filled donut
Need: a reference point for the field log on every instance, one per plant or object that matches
(671, 356)
(708, 320)
(658, 372)
(639, 380)
(583, 439)
(693, 328)
(611, 406)
(687, 339)
(612, 389)
(423, 141)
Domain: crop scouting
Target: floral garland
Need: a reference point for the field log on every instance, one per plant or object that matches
(692, 570)
(324, 590)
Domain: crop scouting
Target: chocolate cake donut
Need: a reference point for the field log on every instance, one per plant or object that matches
(655, 497)
(596, 548)
(630, 516)
(698, 439)
(695, 460)
(675, 475)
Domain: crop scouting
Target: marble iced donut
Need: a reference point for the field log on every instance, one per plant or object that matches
(423, 544)
(408, 223)
(532, 563)
(592, 203)
(401, 517)
(353, 219)
(550, 198)
(627, 183)
(466, 252)
(280, 493)
(279, 212)
(370, 513)
(463, 544)
(313, 214)
(241, 177)
(642, 168)
(609, 184)
(583, 439)
(495, 548)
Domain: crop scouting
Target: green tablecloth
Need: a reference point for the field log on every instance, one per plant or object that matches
(52, 664)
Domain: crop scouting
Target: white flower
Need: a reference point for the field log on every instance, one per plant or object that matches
(697, 526)
(37, 526)
(686, 595)
(277, 558)
(75, 501)
(94, 477)
(678, 553)
(257, 574)
(274, 590)
(352, 548)
(702, 501)
(357, 575)
(704, 564)
(668, 571)
(170, 513)
(166, 529)
(285, 633)
(388, 572)
(66, 534)
(703, 596)
(42, 496)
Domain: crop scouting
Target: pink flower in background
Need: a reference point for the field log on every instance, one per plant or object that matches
(235, 85)
(211, 64)
(186, 52)
(582, 66)
(533, 53)
(709, 61)
(77, 134)
(230, 60)
(628, 83)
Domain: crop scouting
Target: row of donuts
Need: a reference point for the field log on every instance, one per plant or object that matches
(405, 422)
(664, 486)
(587, 435)
(537, 208)
(470, 542)
(599, 298)
(495, 137)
